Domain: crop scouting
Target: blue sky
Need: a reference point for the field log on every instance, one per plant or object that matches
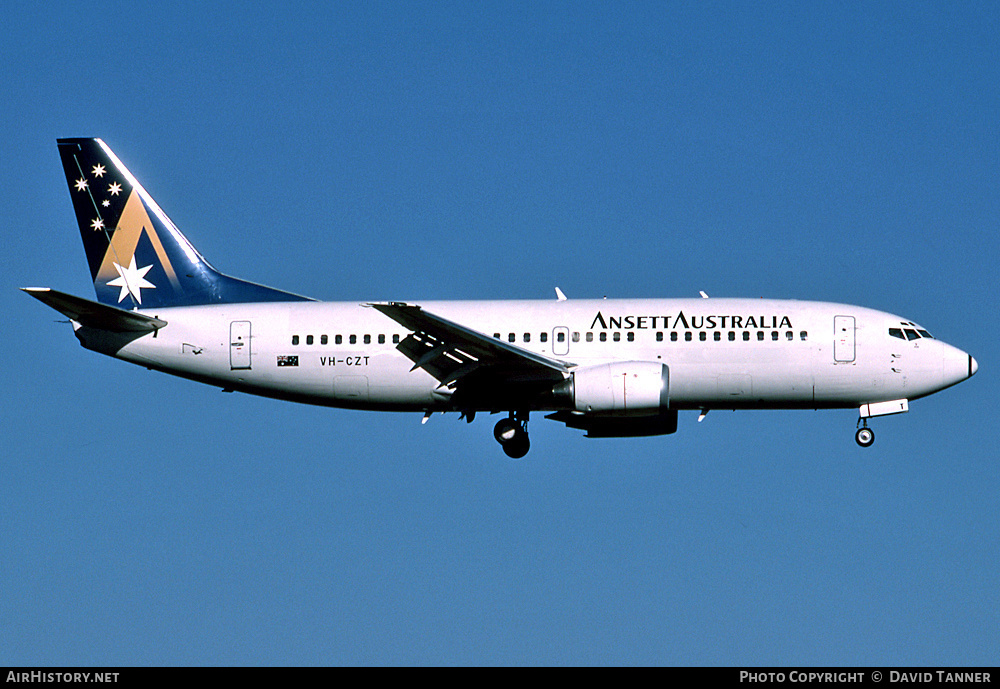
(376, 151)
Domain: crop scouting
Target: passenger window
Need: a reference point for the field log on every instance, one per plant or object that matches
(604, 337)
(897, 332)
(544, 337)
(717, 336)
(912, 334)
(673, 336)
(496, 335)
(774, 335)
(630, 336)
(309, 339)
(760, 335)
(590, 337)
(789, 336)
(368, 339)
(616, 336)
(527, 337)
(395, 339)
(803, 335)
(381, 339)
(560, 336)
(511, 337)
(702, 336)
(338, 339)
(295, 339)
(732, 336)
(576, 337)
(746, 335)
(353, 339)
(323, 339)
(659, 337)
(687, 336)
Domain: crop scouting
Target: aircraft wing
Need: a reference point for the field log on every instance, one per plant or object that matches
(458, 356)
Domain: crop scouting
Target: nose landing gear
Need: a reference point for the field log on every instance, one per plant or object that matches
(512, 434)
(865, 436)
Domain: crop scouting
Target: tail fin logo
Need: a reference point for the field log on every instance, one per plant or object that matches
(137, 256)
(123, 245)
(128, 230)
(131, 280)
(133, 240)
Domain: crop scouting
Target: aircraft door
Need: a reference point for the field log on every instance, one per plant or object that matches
(843, 339)
(239, 345)
(560, 340)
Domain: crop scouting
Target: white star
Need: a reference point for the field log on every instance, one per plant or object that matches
(115, 189)
(98, 171)
(105, 203)
(98, 224)
(81, 184)
(131, 280)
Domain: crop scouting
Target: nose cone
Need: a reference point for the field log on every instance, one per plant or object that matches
(957, 366)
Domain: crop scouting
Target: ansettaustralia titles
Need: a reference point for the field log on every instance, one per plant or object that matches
(680, 321)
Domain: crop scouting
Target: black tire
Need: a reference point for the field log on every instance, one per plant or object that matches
(865, 437)
(506, 430)
(518, 447)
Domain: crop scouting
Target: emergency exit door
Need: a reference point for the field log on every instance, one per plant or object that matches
(843, 339)
(239, 345)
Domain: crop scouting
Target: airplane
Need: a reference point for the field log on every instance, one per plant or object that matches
(609, 367)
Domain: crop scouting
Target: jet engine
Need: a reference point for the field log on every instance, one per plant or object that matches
(622, 386)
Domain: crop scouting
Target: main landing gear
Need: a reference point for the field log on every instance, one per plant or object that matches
(512, 434)
(865, 436)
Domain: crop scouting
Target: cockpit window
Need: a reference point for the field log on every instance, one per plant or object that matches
(914, 333)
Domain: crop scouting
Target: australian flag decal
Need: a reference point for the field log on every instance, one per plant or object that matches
(288, 360)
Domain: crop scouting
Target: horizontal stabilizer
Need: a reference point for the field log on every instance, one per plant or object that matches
(95, 315)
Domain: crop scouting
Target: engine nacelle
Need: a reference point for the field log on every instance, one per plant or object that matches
(622, 386)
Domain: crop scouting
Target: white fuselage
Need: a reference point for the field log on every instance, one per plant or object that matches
(721, 353)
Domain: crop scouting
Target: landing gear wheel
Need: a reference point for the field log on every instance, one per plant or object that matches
(518, 447)
(506, 430)
(512, 434)
(865, 437)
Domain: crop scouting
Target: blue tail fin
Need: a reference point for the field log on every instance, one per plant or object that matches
(138, 258)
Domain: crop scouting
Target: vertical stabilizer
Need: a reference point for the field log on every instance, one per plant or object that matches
(137, 256)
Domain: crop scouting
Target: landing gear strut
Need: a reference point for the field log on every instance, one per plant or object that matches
(865, 436)
(512, 434)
